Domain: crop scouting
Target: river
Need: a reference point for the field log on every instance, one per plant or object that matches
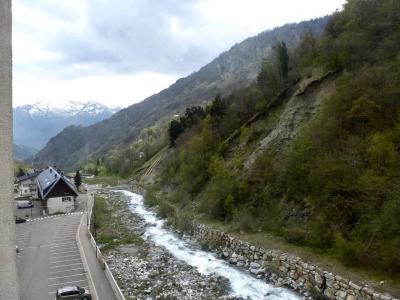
(242, 284)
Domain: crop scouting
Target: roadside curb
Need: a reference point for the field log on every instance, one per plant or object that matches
(110, 277)
(85, 263)
(54, 216)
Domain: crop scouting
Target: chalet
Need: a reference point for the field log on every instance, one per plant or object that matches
(27, 185)
(57, 192)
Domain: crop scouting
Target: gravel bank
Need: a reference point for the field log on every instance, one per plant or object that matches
(148, 271)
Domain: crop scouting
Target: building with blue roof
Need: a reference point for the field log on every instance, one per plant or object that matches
(57, 192)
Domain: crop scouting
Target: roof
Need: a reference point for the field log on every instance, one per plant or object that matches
(68, 289)
(27, 176)
(49, 178)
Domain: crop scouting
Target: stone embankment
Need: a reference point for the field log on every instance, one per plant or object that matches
(282, 269)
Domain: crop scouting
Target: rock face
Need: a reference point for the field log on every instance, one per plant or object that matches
(282, 269)
(300, 108)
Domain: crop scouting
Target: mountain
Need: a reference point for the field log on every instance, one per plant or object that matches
(233, 69)
(35, 124)
(22, 152)
(315, 163)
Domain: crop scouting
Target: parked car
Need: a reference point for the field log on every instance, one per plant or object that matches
(24, 204)
(73, 292)
(19, 220)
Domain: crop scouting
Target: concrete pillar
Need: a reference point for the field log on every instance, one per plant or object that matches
(8, 265)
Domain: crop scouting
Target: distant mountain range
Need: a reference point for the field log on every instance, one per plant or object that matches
(35, 124)
(22, 152)
(233, 69)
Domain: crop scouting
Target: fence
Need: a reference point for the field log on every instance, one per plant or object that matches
(100, 258)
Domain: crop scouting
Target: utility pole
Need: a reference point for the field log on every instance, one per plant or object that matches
(8, 259)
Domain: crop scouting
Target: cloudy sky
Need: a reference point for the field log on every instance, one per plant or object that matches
(118, 52)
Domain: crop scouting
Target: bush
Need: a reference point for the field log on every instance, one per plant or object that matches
(296, 235)
(150, 198)
(165, 210)
(347, 251)
(184, 221)
(244, 220)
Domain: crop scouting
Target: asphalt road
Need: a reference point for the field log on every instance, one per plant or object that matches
(49, 257)
(29, 213)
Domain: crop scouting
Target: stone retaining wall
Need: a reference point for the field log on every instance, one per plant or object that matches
(283, 269)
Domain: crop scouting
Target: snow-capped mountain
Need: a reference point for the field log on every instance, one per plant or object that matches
(35, 124)
(66, 108)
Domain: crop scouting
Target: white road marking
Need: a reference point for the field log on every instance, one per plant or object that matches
(62, 244)
(64, 247)
(64, 252)
(66, 276)
(54, 272)
(54, 262)
(65, 283)
(62, 266)
(65, 256)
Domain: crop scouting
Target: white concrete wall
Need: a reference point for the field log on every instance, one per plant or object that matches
(25, 188)
(8, 269)
(56, 205)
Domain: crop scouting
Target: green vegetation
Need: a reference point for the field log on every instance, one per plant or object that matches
(109, 229)
(77, 179)
(21, 168)
(75, 146)
(111, 180)
(338, 188)
(125, 161)
(21, 172)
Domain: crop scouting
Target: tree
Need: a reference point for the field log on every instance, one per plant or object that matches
(175, 129)
(78, 179)
(218, 106)
(20, 172)
(274, 71)
(283, 60)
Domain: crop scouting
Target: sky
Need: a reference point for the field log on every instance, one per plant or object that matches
(118, 52)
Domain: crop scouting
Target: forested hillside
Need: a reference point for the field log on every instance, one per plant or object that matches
(235, 68)
(310, 151)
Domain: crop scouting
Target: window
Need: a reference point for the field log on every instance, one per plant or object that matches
(70, 293)
(64, 199)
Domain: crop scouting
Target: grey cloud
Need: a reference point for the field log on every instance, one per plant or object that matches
(135, 36)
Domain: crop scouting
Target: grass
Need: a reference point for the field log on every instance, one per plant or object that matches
(178, 217)
(149, 163)
(110, 180)
(111, 232)
(381, 282)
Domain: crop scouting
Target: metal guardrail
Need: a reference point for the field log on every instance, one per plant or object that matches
(103, 263)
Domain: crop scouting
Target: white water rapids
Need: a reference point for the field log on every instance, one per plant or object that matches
(242, 284)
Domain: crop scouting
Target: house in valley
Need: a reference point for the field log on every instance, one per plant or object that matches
(57, 192)
(27, 185)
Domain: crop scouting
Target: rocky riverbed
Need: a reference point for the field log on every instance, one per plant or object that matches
(148, 271)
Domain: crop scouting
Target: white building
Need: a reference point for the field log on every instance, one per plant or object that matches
(27, 185)
(57, 192)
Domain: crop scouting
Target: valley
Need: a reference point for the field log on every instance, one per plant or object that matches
(269, 173)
